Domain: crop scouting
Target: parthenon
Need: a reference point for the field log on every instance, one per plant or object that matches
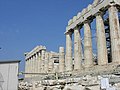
(78, 62)
(83, 19)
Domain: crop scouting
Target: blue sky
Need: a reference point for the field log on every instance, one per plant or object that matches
(25, 24)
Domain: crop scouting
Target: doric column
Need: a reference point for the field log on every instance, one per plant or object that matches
(42, 62)
(33, 63)
(88, 60)
(30, 65)
(101, 40)
(26, 64)
(68, 59)
(36, 63)
(51, 62)
(114, 33)
(39, 61)
(26, 68)
(77, 49)
(61, 59)
(46, 62)
(32, 57)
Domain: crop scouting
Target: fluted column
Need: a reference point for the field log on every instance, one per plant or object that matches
(30, 66)
(61, 59)
(46, 62)
(77, 49)
(39, 62)
(114, 33)
(36, 62)
(26, 68)
(101, 40)
(68, 59)
(42, 62)
(88, 60)
(51, 62)
(37, 69)
(33, 63)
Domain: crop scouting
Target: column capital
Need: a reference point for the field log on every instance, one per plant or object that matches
(86, 21)
(36, 55)
(39, 53)
(101, 13)
(77, 27)
(112, 4)
(69, 33)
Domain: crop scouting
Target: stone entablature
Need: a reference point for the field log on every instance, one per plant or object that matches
(34, 51)
(90, 12)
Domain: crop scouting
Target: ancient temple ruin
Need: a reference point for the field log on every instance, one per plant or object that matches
(110, 26)
(39, 61)
(79, 68)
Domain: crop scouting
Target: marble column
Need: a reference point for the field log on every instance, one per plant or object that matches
(77, 49)
(37, 69)
(88, 60)
(39, 61)
(42, 62)
(46, 62)
(68, 59)
(51, 62)
(101, 40)
(30, 66)
(33, 63)
(114, 33)
(61, 59)
(33, 71)
(36, 62)
(26, 64)
(26, 68)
